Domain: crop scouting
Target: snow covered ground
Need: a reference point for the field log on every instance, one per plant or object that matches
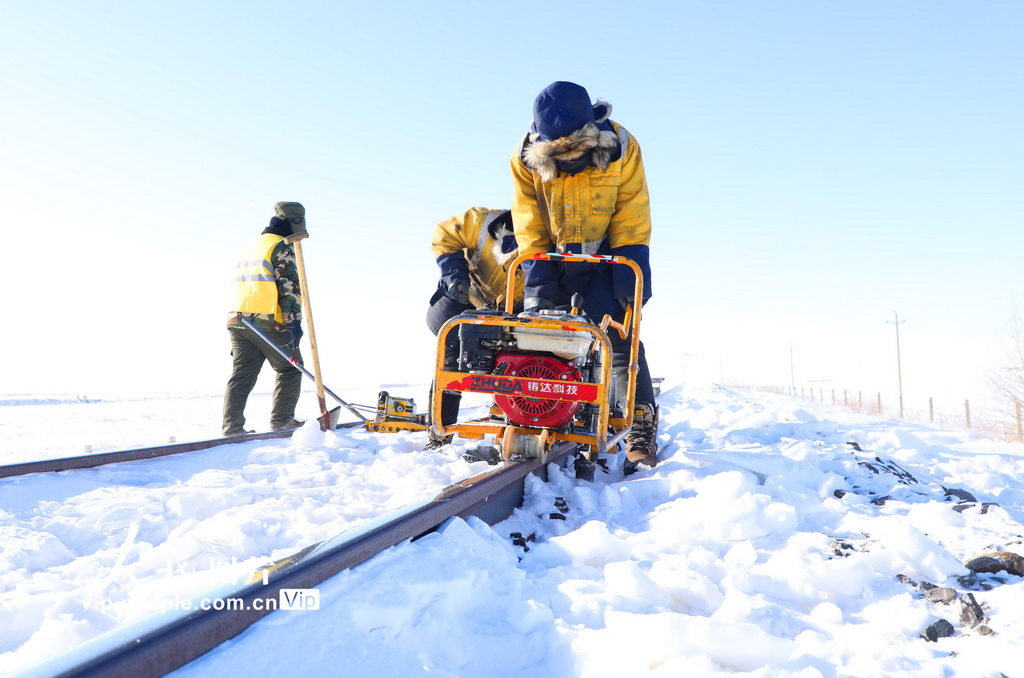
(775, 538)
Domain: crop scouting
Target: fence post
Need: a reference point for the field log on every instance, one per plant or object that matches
(967, 412)
(931, 409)
(845, 403)
(833, 396)
(860, 400)
(879, 402)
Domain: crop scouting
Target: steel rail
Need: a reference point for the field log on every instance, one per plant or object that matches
(103, 458)
(144, 650)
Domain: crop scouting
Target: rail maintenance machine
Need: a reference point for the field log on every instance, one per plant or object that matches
(550, 372)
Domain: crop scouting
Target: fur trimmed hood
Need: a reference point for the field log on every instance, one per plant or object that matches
(595, 143)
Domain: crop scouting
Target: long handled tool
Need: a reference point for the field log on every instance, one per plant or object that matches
(333, 413)
(304, 289)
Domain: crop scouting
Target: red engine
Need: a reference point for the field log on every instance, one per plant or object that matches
(529, 411)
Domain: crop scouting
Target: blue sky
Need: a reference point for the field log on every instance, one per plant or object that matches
(813, 167)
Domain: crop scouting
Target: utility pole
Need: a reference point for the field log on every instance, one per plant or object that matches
(792, 380)
(899, 367)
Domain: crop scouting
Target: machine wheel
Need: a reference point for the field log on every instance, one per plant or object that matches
(516, 443)
(508, 442)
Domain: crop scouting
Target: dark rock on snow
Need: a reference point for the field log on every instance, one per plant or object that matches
(940, 629)
(962, 495)
(998, 561)
(941, 595)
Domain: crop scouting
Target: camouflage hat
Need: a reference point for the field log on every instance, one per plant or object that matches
(294, 213)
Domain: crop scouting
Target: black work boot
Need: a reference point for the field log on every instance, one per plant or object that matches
(642, 440)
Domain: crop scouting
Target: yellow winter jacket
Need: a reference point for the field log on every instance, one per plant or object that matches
(254, 286)
(583, 209)
(461, 244)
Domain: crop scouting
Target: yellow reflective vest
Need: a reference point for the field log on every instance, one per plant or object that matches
(254, 286)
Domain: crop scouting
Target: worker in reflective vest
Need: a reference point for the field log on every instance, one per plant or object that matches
(265, 290)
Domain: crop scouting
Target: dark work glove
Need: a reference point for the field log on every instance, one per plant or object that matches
(536, 304)
(508, 244)
(295, 329)
(624, 302)
(459, 291)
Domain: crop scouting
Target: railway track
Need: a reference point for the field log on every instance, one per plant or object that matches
(159, 644)
(116, 456)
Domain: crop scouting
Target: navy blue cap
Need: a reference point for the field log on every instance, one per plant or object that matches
(561, 109)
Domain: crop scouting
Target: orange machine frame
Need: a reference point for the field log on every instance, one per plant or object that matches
(584, 392)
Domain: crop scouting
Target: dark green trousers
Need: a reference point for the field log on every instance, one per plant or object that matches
(248, 352)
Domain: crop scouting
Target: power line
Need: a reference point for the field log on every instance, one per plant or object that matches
(899, 367)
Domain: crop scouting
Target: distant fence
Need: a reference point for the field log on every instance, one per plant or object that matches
(994, 422)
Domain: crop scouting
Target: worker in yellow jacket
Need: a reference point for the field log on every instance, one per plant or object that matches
(579, 187)
(473, 251)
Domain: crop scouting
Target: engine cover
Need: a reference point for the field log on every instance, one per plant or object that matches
(527, 411)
